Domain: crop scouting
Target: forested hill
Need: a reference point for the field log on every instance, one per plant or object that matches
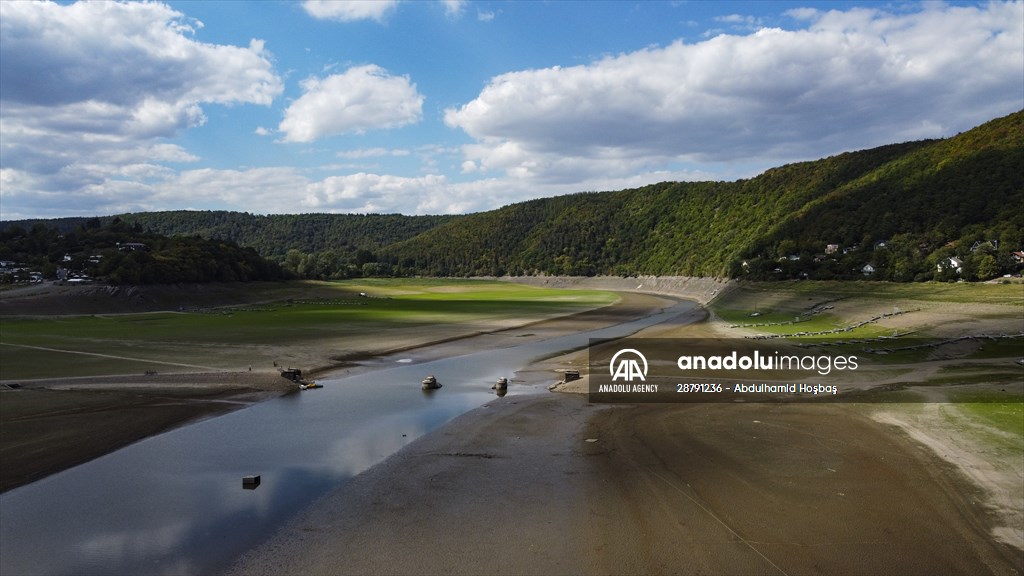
(936, 209)
(897, 212)
(275, 234)
(121, 253)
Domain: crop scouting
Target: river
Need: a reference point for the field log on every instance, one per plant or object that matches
(174, 503)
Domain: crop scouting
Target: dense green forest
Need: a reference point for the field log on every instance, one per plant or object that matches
(897, 212)
(935, 209)
(271, 235)
(123, 253)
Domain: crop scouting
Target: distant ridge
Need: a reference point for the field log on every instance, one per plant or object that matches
(899, 212)
(271, 235)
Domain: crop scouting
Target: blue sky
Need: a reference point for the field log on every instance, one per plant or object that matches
(420, 107)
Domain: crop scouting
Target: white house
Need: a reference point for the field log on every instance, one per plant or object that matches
(868, 270)
(951, 263)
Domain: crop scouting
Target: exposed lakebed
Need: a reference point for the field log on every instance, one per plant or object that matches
(175, 504)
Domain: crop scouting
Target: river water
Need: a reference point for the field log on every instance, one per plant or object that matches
(174, 503)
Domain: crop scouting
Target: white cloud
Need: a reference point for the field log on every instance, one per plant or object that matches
(374, 193)
(363, 98)
(736, 19)
(376, 10)
(852, 80)
(267, 189)
(372, 152)
(349, 10)
(454, 8)
(123, 55)
(741, 22)
(803, 13)
(278, 189)
(89, 91)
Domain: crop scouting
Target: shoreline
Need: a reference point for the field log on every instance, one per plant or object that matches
(43, 432)
(628, 307)
(52, 425)
(549, 484)
(546, 483)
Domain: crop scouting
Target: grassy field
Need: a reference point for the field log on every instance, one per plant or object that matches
(335, 320)
(1003, 412)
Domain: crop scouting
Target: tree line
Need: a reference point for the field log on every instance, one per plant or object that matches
(928, 210)
(123, 253)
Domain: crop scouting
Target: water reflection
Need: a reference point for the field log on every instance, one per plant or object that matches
(172, 504)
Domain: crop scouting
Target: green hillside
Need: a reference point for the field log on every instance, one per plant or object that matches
(904, 209)
(271, 235)
(274, 235)
(935, 209)
(122, 253)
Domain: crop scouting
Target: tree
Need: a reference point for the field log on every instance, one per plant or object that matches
(988, 267)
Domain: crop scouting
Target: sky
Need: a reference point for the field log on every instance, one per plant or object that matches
(436, 107)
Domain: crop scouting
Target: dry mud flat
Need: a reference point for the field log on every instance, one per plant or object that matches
(794, 489)
(50, 425)
(548, 484)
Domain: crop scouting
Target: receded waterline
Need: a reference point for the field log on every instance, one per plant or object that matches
(175, 504)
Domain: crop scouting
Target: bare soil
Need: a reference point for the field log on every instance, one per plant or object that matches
(548, 484)
(49, 425)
